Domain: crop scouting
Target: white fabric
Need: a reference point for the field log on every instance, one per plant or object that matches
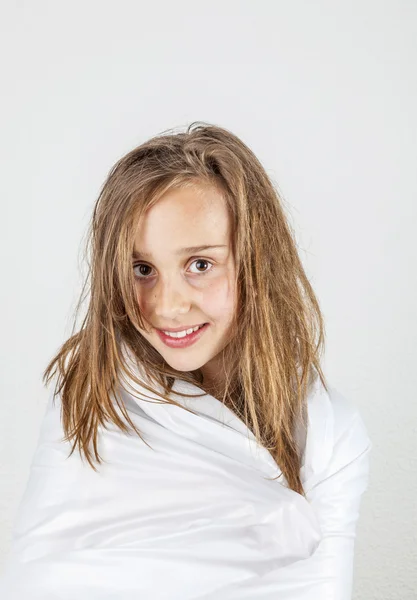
(192, 517)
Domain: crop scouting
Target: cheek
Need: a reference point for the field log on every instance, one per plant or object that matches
(140, 299)
(144, 304)
(218, 300)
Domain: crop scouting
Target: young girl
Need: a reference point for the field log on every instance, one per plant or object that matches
(213, 460)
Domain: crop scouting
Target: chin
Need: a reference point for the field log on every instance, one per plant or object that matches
(185, 364)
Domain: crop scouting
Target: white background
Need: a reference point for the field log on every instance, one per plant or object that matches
(324, 93)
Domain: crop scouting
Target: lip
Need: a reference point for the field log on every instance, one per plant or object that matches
(185, 341)
(184, 327)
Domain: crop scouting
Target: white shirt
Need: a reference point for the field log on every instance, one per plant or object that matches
(192, 516)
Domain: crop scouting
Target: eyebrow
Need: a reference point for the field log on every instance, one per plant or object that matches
(180, 251)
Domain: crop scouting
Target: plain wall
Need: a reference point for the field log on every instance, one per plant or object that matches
(324, 93)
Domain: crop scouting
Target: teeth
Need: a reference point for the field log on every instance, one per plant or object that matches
(180, 334)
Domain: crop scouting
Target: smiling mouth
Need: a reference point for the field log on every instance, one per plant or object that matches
(181, 329)
(181, 340)
(182, 332)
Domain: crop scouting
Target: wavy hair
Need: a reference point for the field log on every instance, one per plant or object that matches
(274, 354)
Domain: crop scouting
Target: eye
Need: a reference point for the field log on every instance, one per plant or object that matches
(203, 260)
(142, 266)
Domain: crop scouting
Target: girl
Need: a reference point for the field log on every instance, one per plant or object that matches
(213, 459)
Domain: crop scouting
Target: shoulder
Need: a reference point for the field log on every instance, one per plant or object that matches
(350, 434)
(336, 433)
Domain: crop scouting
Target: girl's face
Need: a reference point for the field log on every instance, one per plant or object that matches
(178, 287)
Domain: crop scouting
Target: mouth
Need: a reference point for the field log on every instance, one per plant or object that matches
(180, 329)
(183, 340)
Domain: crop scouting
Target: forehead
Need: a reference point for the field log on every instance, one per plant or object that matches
(183, 217)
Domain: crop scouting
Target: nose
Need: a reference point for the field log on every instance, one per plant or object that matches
(170, 300)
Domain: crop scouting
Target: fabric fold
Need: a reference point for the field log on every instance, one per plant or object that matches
(191, 514)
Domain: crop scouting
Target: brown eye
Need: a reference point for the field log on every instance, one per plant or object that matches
(202, 260)
(141, 266)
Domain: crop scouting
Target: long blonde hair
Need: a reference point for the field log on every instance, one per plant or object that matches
(274, 354)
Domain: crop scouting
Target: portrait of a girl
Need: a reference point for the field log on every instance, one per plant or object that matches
(192, 447)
